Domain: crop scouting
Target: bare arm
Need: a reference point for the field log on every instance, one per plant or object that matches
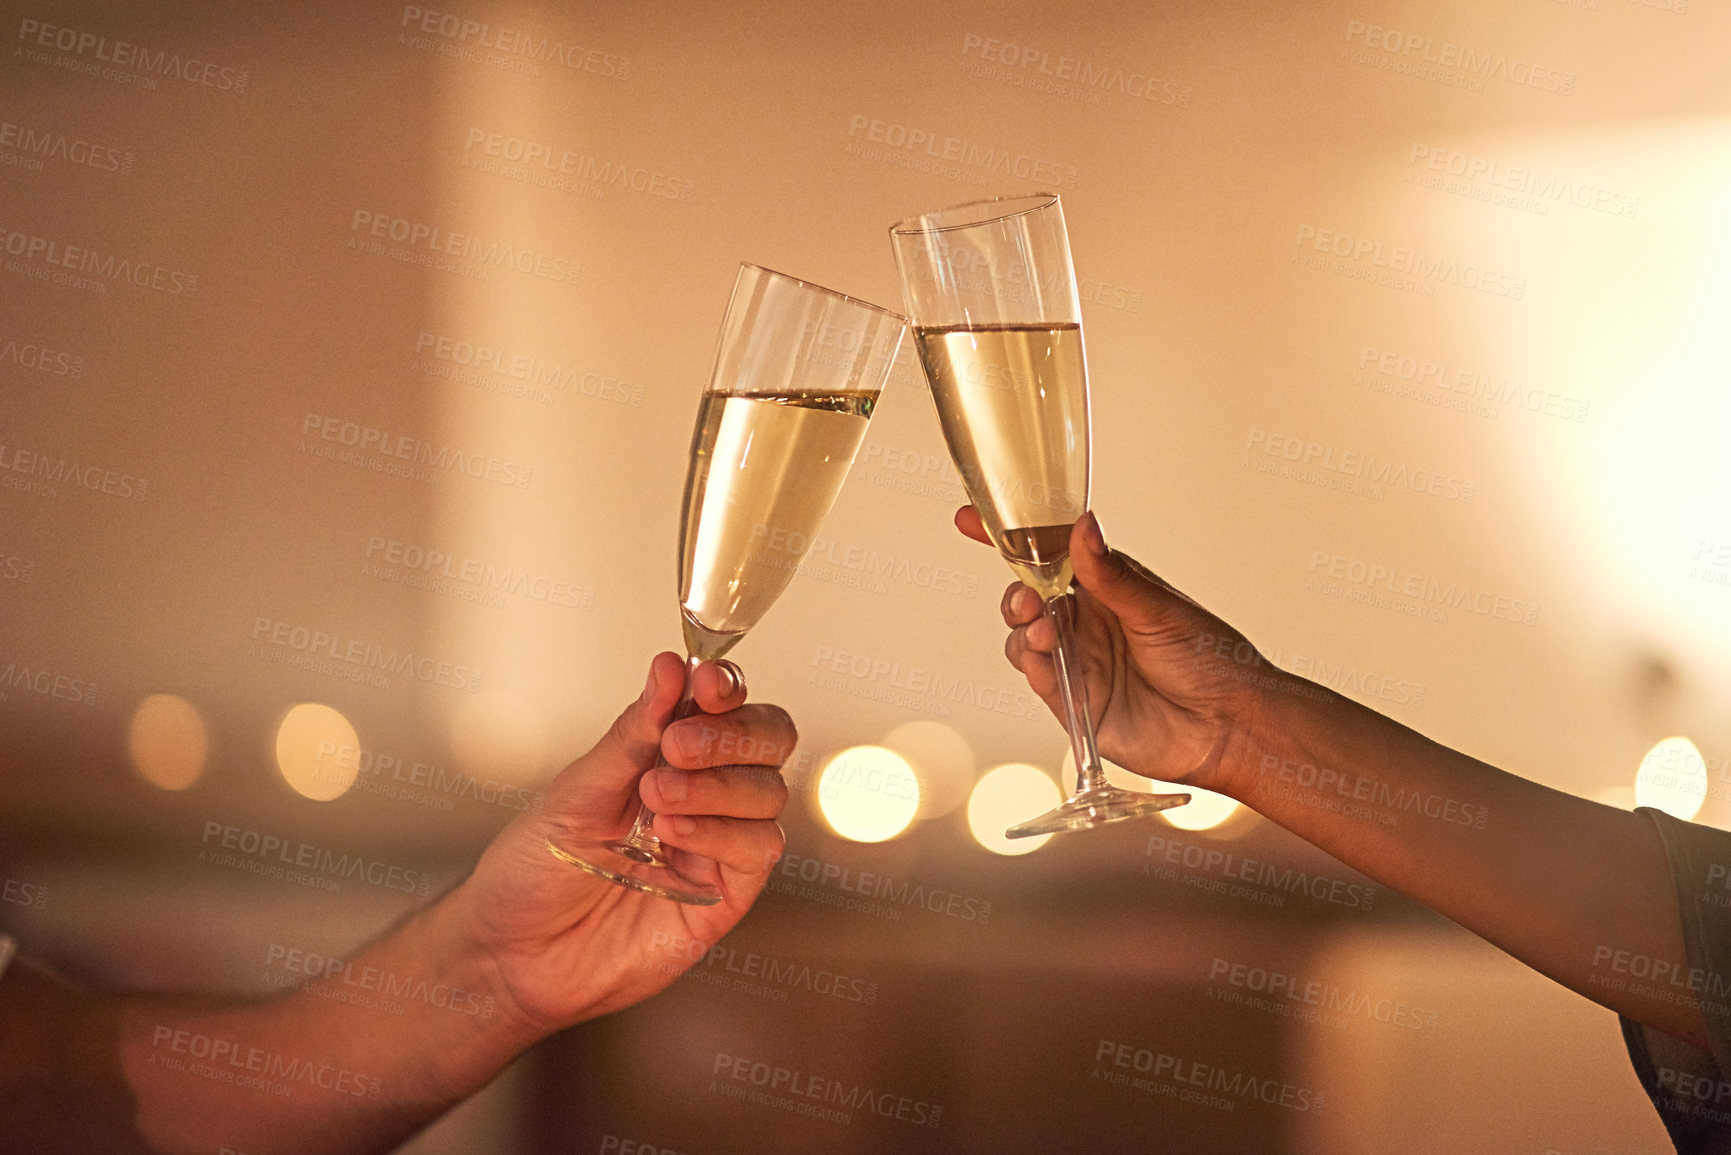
(1556, 881)
(308, 1071)
(523, 947)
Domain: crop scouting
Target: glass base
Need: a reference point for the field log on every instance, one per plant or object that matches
(624, 864)
(1092, 808)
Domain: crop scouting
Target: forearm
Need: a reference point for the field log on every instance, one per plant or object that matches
(1554, 880)
(355, 1061)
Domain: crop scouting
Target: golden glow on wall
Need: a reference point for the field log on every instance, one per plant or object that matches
(317, 751)
(168, 741)
(868, 793)
(1007, 795)
(500, 737)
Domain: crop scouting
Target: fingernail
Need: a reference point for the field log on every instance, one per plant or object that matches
(683, 825)
(730, 679)
(648, 686)
(670, 784)
(1091, 535)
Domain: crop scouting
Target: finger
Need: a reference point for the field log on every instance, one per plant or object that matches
(748, 846)
(1034, 664)
(1020, 605)
(719, 686)
(753, 735)
(631, 743)
(1138, 598)
(968, 521)
(735, 792)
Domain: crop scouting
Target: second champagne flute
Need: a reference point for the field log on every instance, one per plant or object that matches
(798, 370)
(991, 292)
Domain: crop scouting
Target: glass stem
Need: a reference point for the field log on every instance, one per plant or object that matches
(1073, 688)
(642, 837)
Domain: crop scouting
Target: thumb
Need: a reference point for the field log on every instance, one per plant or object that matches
(1139, 599)
(633, 743)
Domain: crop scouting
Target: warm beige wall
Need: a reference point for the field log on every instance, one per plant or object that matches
(1195, 211)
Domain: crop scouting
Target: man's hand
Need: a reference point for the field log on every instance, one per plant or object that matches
(1174, 690)
(568, 946)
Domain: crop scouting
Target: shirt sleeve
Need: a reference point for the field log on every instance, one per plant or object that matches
(1687, 1084)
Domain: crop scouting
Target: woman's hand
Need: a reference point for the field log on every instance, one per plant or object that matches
(1174, 690)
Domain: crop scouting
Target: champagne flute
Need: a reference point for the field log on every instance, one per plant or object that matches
(798, 370)
(991, 293)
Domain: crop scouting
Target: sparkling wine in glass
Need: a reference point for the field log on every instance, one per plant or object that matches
(991, 293)
(798, 370)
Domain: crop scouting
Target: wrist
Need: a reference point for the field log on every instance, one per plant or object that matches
(1278, 707)
(464, 1014)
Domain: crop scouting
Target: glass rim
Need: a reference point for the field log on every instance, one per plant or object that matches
(805, 284)
(912, 226)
